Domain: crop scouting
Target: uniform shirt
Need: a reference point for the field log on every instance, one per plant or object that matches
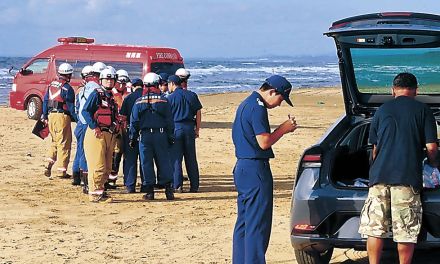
(128, 103)
(251, 120)
(91, 106)
(400, 130)
(68, 95)
(83, 94)
(151, 111)
(184, 105)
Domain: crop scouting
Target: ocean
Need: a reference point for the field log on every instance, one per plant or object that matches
(228, 75)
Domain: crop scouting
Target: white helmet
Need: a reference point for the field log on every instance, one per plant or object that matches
(151, 79)
(183, 73)
(111, 67)
(108, 74)
(86, 70)
(123, 76)
(65, 68)
(98, 67)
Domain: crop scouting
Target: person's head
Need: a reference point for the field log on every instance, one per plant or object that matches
(173, 82)
(123, 79)
(98, 67)
(184, 75)
(136, 84)
(274, 90)
(163, 83)
(405, 83)
(65, 71)
(107, 78)
(151, 82)
(86, 71)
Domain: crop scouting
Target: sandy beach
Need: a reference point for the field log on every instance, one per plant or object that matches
(51, 221)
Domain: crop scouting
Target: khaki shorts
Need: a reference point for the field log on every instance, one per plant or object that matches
(392, 211)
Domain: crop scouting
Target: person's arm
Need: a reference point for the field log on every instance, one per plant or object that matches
(198, 122)
(431, 153)
(266, 140)
(45, 113)
(70, 101)
(90, 107)
(374, 153)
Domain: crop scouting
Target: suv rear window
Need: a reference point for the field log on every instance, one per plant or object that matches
(375, 68)
(167, 67)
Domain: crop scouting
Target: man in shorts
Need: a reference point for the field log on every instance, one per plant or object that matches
(400, 130)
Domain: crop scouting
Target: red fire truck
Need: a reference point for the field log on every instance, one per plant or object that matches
(31, 81)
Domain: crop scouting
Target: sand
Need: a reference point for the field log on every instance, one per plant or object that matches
(51, 221)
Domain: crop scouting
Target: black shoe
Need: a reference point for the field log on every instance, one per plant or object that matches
(48, 169)
(185, 178)
(108, 186)
(149, 196)
(169, 192)
(76, 179)
(86, 189)
(193, 190)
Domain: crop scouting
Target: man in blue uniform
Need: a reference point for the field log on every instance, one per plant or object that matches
(58, 113)
(151, 115)
(131, 154)
(187, 116)
(252, 175)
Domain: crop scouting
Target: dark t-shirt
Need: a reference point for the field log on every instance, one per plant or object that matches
(400, 130)
(250, 121)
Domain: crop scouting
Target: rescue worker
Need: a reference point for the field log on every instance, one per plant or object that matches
(163, 84)
(101, 114)
(253, 142)
(184, 75)
(187, 115)
(92, 83)
(119, 93)
(131, 154)
(151, 118)
(80, 131)
(58, 113)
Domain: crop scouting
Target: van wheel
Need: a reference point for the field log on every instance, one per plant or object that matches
(34, 108)
(313, 257)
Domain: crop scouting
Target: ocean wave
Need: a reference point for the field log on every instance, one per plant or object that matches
(218, 69)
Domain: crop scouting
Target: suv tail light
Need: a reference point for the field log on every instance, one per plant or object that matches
(311, 161)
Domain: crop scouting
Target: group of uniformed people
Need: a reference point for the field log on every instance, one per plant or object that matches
(156, 120)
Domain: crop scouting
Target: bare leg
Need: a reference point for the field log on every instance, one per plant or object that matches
(374, 249)
(406, 251)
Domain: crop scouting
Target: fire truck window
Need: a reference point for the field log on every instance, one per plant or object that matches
(166, 67)
(77, 66)
(38, 66)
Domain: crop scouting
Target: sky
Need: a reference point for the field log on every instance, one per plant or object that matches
(197, 28)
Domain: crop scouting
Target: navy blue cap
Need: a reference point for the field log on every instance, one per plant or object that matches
(137, 82)
(281, 85)
(175, 79)
(163, 77)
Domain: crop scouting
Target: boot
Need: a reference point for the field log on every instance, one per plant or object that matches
(169, 191)
(76, 178)
(48, 169)
(150, 193)
(86, 182)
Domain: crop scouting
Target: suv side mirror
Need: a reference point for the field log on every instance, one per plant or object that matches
(25, 71)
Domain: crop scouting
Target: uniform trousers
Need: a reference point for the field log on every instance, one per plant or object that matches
(254, 184)
(99, 156)
(184, 147)
(130, 163)
(61, 134)
(154, 146)
(79, 163)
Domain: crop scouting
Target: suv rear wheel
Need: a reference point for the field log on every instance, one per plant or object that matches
(34, 108)
(313, 257)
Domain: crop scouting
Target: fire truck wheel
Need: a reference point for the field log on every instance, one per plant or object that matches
(34, 108)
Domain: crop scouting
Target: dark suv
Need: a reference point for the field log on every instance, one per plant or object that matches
(331, 184)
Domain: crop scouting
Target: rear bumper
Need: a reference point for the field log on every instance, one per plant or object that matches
(15, 101)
